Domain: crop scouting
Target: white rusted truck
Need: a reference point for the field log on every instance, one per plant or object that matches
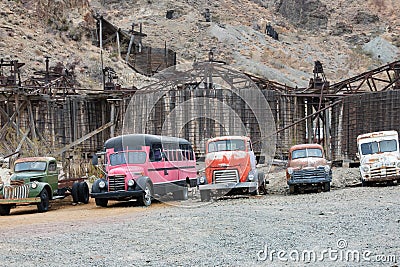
(379, 157)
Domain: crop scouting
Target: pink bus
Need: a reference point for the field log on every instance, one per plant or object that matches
(142, 166)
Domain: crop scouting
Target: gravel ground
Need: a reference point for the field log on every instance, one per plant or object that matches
(226, 232)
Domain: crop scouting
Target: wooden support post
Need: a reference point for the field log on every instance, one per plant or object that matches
(31, 120)
(112, 119)
(327, 137)
(17, 113)
(310, 131)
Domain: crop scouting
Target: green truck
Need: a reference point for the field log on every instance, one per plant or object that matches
(35, 182)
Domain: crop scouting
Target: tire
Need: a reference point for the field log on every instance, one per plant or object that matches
(182, 194)
(43, 206)
(101, 202)
(5, 210)
(364, 183)
(262, 188)
(255, 192)
(327, 186)
(147, 196)
(83, 193)
(75, 192)
(205, 195)
(292, 189)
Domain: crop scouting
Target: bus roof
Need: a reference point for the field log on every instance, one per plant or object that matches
(136, 141)
(376, 134)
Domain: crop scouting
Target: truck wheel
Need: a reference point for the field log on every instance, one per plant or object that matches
(43, 206)
(182, 194)
(292, 189)
(205, 195)
(145, 199)
(101, 202)
(83, 192)
(5, 209)
(262, 187)
(327, 186)
(75, 192)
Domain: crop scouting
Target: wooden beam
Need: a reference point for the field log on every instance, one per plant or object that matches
(83, 138)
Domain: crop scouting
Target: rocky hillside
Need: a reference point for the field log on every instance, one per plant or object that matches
(347, 36)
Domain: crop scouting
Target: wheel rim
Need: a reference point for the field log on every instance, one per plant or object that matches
(147, 195)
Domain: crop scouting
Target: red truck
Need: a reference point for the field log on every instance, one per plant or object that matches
(230, 168)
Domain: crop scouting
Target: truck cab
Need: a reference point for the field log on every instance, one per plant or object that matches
(308, 168)
(379, 157)
(230, 167)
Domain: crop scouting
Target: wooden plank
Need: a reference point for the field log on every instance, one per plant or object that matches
(83, 138)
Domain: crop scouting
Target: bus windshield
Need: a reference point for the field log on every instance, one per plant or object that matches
(378, 147)
(227, 145)
(128, 158)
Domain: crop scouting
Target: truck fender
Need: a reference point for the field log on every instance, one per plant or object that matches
(141, 182)
(96, 188)
(46, 186)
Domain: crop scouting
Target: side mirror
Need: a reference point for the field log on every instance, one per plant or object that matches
(95, 160)
(358, 155)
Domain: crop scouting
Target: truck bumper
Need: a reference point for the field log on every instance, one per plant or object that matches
(228, 186)
(308, 181)
(118, 194)
(20, 201)
(382, 178)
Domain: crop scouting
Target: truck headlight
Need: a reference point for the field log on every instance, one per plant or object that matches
(131, 183)
(202, 180)
(250, 177)
(364, 168)
(290, 171)
(102, 184)
(327, 168)
(34, 185)
(398, 164)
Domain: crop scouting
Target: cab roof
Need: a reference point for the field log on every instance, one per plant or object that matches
(30, 159)
(228, 137)
(304, 146)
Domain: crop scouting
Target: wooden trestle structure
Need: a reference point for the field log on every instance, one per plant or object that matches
(50, 116)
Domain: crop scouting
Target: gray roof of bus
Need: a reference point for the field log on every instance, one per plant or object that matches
(136, 141)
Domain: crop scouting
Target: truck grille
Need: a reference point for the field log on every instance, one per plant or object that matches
(116, 183)
(383, 171)
(226, 176)
(16, 192)
(309, 173)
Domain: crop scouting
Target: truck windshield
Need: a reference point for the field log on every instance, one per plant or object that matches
(127, 157)
(307, 152)
(227, 145)
(30, 166)
(377, 147)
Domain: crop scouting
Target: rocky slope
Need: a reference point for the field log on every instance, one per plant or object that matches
(348, 37)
